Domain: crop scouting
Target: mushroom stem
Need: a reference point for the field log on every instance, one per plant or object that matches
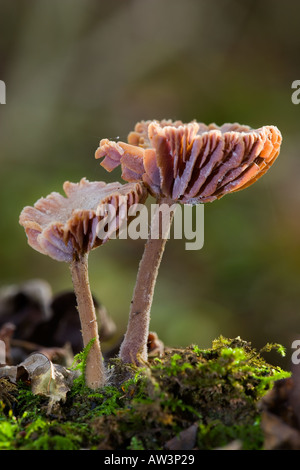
(95, 371)
(134, 346)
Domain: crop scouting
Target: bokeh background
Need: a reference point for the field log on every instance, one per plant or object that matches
(78, 71)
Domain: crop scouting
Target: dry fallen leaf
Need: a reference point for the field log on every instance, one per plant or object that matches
(185, 440)
(280, 414)
(47, 379)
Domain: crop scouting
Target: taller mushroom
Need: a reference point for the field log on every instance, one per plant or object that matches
(189, 164)
(67, 229)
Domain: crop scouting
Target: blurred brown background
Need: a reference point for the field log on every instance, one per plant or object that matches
(78, 71)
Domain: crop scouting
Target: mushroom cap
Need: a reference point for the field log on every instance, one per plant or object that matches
(194, 162)
(65, 227)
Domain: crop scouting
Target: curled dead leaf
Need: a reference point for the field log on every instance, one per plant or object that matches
(46, 378)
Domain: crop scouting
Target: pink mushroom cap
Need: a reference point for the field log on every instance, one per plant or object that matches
(65, 227)
(194, 162)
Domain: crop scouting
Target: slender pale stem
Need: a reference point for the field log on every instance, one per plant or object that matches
(95, 371)
(134, 346)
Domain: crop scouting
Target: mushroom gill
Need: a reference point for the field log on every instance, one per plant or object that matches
(66, 227)
(194, 162)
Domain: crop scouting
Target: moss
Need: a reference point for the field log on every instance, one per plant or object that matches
(216, 389)
(135, 444)
(216, 435)
(8, 392)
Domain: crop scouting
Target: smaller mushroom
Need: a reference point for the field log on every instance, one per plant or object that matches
(188, 164)
(67, 229)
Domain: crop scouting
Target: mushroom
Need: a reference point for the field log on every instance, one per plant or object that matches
(189, 164)
(67, 229)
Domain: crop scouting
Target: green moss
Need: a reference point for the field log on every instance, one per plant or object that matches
(8, 429)
(44, 434)
(135, 444)
(217, 388)
(79, 364)
(216, 435)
